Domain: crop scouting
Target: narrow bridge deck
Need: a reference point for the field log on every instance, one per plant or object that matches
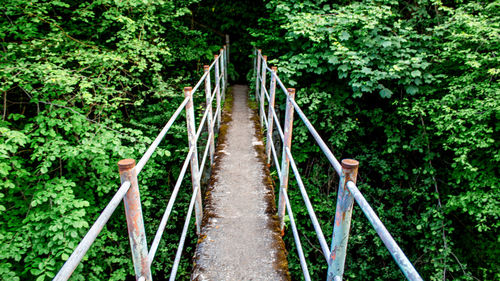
(240, 235)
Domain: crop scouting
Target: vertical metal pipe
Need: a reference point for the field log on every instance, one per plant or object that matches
(135, 221)
(270, 119)
(222, 68)
(257, 78)
(226, 77)
(342, 221)
(208, 94)
(285, 161)
(217, 86)
(191, 130)
(262, 91)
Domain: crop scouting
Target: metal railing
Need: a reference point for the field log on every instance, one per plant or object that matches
(347, 170)
(129, 190)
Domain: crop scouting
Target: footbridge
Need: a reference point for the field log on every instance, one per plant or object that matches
(238, 219)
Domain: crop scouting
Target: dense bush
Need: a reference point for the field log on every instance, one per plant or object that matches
(409, 88)
(84, 84)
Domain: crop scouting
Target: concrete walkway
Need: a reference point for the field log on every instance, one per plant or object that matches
(240, 235)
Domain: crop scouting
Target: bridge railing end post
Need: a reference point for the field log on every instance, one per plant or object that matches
(342, 222)
(135, 220)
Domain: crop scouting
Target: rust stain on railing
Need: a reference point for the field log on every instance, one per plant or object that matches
(336, 255)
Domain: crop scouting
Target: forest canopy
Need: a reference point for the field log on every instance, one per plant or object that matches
(408, 88)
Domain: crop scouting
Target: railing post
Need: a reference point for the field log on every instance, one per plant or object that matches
(342, 221)
(226, 73)
(262, 91)
(217, 86)
(191, 129)
(135, 221)
(285, 161)
(210, 128)
(222, 71)
(272, 91)
(257, 78)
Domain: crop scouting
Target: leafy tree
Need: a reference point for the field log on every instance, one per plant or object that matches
(409, 88)
(84, 84)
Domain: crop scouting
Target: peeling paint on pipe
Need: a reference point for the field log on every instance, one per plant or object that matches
(342, 222)
(135, 221)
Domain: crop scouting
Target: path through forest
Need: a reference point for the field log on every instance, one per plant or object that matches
(240, 236)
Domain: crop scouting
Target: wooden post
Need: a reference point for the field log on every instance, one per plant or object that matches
(191, 130)
(342, 221)
(272, 91)
(210, 128)
(262, 91)
(257, 78)
(285, 161)
(217, 86)
(135, 221)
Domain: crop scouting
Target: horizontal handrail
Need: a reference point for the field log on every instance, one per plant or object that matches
(202, 79)
(310, 209)
(396, 252)
(156, 142)
(205, 154)
(347, 176)
(180, 247)
(328, 153)
(300, 251)
(277, 123)
(204, 118)
(84, 245)
(168, 210)
(276, 162)
(204, 76)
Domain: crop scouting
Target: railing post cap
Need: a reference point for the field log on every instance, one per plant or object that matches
(349, 163)
(291, 90)
(265, 57)
(216, 56)
(206, 67)
(126, 164)
(259, 50)
(274, 68)
(187, 91)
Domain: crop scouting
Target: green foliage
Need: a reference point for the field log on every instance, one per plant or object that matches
(84, 84)
(410, 89)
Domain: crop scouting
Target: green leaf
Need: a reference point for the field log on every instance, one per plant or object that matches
(411, 90)
(416, 73)
(385, 93)
(344, 36)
